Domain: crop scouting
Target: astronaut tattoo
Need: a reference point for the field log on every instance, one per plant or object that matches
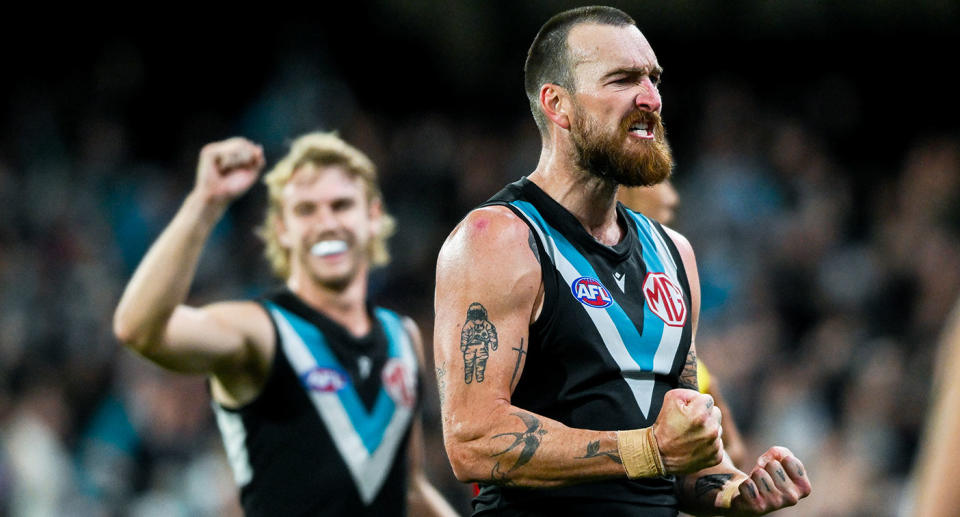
(477, 337)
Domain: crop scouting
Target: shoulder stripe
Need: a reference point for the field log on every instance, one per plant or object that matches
(235, 443)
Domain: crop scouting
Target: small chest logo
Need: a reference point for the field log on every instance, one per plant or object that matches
(400, 383)
(324, 380)
(591, 292)
(665, 299)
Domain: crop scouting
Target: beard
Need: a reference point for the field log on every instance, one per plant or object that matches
(612, 157)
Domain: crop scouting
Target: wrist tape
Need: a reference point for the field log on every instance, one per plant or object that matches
(730, 490)
(640, 453)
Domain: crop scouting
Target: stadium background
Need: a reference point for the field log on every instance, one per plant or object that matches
(818, 162)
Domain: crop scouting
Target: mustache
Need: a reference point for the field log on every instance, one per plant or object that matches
(650, 118)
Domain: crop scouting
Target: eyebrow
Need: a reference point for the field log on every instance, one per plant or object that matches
(645, 70)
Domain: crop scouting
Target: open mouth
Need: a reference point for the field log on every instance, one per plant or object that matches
(641, 130)
(327, 248)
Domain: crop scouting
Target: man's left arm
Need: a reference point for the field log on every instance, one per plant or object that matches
(422, 497)
(777, 480)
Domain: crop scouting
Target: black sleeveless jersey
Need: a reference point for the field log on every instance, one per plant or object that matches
(327, 434)
(611, 339)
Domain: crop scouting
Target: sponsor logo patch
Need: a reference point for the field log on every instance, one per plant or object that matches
(325, 380)
(590, 292)
(665, 299)
(400, 383)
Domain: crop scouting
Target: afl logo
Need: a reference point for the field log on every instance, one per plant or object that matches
(324, 380)
(591, 292)
(400, 383)
(665, 299)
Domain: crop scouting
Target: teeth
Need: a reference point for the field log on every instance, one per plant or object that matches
(324, 248)
(641, 133)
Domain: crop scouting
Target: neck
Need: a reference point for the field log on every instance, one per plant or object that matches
(346, 306)
(592, 200)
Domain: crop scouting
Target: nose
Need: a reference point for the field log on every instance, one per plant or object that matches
(648, 98)
(325, 220)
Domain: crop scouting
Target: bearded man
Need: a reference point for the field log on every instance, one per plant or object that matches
(593, 387)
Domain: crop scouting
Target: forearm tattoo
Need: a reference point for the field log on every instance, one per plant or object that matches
(709, 483)
(688, 377)
(477, 337)
(528, 438)
(593, 451)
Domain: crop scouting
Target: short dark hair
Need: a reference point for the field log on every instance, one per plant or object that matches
(548, 60)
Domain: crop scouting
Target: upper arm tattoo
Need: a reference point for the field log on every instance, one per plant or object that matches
(516, 367)
(442, 381)
(688, 377)
(477, 337)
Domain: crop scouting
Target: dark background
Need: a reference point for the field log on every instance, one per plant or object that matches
(818, 165)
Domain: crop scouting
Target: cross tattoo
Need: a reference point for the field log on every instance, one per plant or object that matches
(516, 367)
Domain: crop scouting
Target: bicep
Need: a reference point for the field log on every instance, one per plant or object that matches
(487, 286)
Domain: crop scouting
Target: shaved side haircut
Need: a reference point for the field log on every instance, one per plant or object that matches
(548, 60)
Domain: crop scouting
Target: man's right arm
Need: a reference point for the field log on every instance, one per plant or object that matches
(489, 284)
(151, 318)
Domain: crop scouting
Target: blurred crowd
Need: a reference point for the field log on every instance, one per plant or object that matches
(825, 286)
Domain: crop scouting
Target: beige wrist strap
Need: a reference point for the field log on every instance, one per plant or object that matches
(640, 453)
(730, 490)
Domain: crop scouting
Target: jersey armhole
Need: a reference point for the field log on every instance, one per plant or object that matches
(675, 253)
(271, 375)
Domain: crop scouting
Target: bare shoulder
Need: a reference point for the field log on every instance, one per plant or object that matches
(488, 259)
(416, 337)
(683, 245)
(240, 376)
(488, 233)
(690, 266)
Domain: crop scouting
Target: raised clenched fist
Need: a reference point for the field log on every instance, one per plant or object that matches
(688, 432)
(227, 169)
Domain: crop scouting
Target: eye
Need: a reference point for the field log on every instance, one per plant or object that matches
(655, 78)
(343, 204)
(303, 209)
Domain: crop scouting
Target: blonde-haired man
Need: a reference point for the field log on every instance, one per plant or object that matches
(314, 389)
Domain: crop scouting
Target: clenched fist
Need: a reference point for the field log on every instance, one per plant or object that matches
(778, 480)
(688, 432)
(227, 169)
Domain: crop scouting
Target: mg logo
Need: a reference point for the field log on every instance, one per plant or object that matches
(400, 383)
(664, 299)
(591, 292)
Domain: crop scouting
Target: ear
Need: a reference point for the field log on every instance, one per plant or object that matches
(555, 103)
(375, 212)
(281, 229)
